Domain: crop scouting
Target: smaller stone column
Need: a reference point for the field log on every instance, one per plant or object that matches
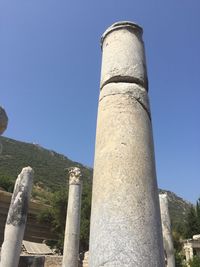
(16, 220)
(72, 229)
(166, 230)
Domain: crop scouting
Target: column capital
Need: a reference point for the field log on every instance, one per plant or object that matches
(74, 176)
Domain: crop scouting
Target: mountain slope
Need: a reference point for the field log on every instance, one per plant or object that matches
(50, 174)
(49, 166)
(178, 207)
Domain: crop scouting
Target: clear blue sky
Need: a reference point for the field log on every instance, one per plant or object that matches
(50, 68)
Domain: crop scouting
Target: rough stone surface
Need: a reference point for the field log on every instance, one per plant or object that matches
(3, 120)
(16, 220)
(125, 218)
(123, 58)
(86, 259)
(166, 230)
(133, 90)
(72, 229)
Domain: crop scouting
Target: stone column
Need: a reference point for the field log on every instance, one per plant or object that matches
(16, 220)
(125, 217)
(72, 229)
(166, 230)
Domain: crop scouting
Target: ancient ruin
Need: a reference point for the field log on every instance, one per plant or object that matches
(126, 227)
(16, 220)
(125, 218)
(191, 247)
(166, 230)
(72, 228)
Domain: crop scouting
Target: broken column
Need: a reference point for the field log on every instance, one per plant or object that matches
(72, 228)
(166, 230)
(16, 220)
(125, 217)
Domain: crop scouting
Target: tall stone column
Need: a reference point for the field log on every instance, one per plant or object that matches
(166, 230)
(125, 217)
(72, 229)
(16, 220)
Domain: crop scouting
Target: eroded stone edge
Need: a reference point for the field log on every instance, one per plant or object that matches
(133, 90)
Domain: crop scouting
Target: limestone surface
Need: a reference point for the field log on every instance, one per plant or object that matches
(125, 227)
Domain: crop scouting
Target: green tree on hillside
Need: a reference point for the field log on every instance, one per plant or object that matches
(198, 213)
(187, 230)
(192, 225)
(6, 183)
(195, 262)
(56, 216)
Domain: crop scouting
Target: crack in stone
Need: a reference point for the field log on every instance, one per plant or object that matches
(126, 79)
(138, 99)
(144, 107)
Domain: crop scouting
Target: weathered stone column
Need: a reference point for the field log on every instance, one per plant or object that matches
(166, 230)
(16, 220)
(125, 217)
(72, 229)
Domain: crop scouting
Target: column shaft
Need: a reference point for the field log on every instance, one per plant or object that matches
(125, 218)
(72, 229)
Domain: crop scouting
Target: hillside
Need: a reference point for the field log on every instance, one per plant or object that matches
(50, 174)
(178, 207)
(49, 167)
